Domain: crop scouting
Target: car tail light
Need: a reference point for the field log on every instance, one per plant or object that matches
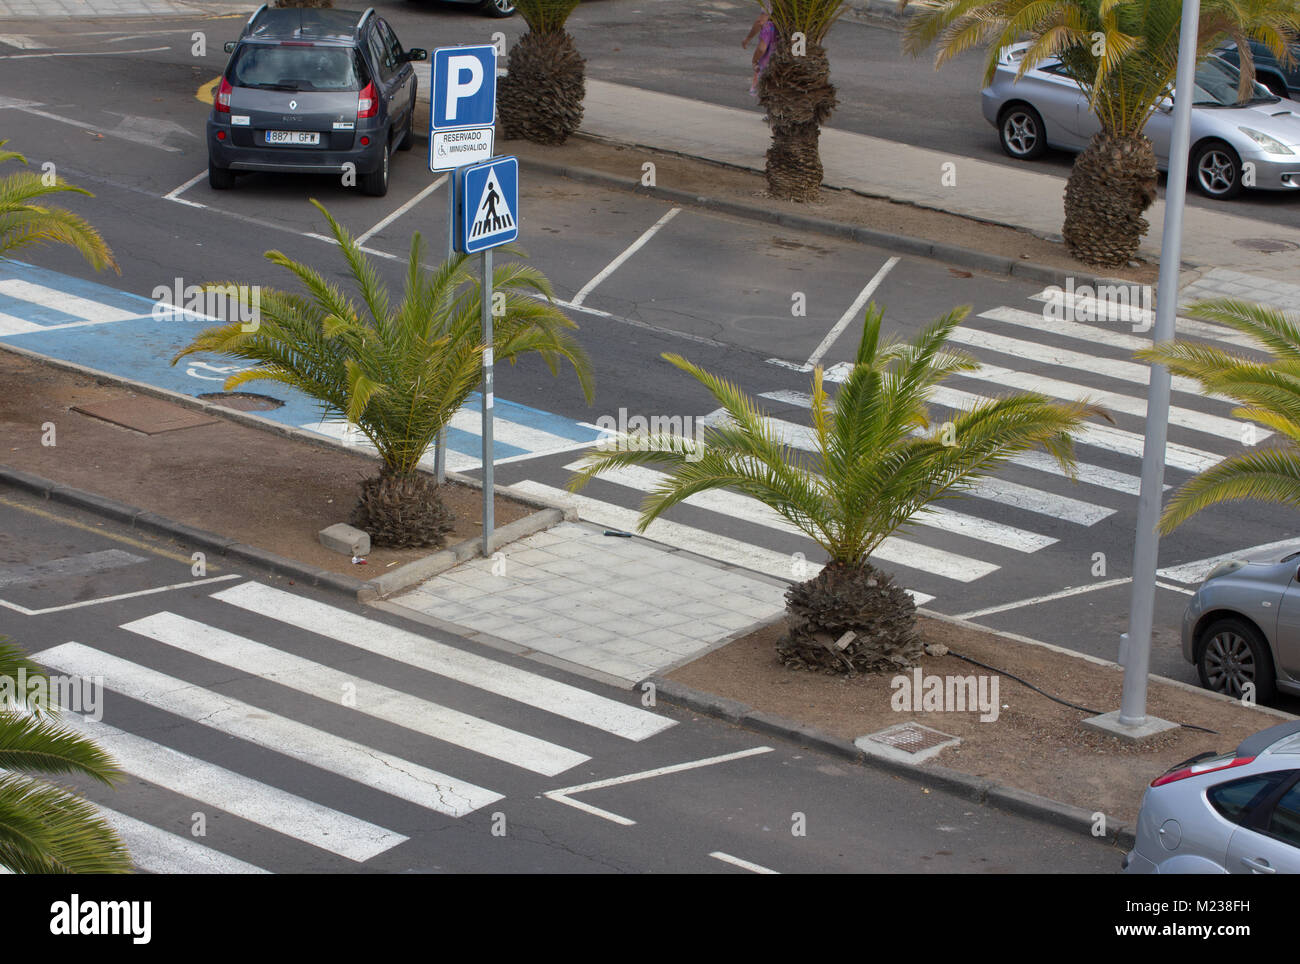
(367, 102)
(222, 100)
(1200, 769)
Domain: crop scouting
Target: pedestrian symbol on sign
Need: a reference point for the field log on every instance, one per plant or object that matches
(492, 216)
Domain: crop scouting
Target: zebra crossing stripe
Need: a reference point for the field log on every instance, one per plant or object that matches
(989, 487)
(1219, 427)
(721, 548)
(372, 699)
(1192, 327)
(373, 768)
(71, 304)
(972, 527)
(1127, 371)
(157, 851)
(908, 553)
(404, 646)
(1096, 334)
(1101, 436)
(267, 806)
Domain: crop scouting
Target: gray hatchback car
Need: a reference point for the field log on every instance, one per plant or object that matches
(1242, 626)
(313, 91)
(1232, 813)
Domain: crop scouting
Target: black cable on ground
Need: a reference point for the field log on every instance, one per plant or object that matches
(1056, 699)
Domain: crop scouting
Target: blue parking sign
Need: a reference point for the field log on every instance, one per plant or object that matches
(489, 204)
(464, 90)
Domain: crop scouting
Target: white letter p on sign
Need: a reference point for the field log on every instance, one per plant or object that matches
(456, 66)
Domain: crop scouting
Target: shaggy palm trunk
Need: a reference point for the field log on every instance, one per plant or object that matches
(797, 93)
(843, 599)
(1113, 182)
(402, 511)
(541, 96)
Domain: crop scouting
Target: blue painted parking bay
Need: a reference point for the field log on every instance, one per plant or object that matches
(117, 332)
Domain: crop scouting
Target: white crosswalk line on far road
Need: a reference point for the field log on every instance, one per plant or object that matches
(351, 760)
(158, 851)
(372, 699)
(427, 654)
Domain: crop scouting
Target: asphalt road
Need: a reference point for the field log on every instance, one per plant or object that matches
(302, 751)
(127, 126)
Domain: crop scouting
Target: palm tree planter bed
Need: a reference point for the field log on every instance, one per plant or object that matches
(1034, 745)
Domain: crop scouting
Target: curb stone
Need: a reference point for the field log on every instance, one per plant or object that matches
(978, 790)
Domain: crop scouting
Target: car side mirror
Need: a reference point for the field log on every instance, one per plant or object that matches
(416, 53)
(230, 46)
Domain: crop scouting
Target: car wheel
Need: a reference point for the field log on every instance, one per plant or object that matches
(220, 178)
(1217, 170)
(408, 138)
(498, 8)
(1232, 653)
(376, 183)
(1020, 129)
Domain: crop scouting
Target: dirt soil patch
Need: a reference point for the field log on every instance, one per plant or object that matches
(1034, 744)
(723, 182)
(254, 486)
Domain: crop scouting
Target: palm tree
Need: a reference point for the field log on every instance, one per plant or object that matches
(797, 93)
(874, 468)
(1268, 393)
(542, 92)
(47, 829)
(398, 373)
(23, 223)
(1124, 55)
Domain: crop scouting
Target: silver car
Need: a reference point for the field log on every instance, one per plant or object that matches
(1242, 627)
(1235, 813)
(1045, 108)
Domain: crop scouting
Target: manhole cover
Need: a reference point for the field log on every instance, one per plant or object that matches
(243, 401)
(1266, 245)
(911, 737)
(148, 415)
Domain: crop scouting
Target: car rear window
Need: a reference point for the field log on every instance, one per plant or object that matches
(276, 67)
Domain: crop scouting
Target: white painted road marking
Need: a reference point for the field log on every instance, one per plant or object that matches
(243, 797)
(402, 210)
(744, 864)
(108, 599)
(1195, 572)
(614, 265)
(380, 771)
(158, 851)
(854, 310)
(372, 699)
(531, 689)
(564, 794)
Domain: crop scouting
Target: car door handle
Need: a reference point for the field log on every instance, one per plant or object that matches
(1258, 864)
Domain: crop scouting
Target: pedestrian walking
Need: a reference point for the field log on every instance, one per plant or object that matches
(765, 30)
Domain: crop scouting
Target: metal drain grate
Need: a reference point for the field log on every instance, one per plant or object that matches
(911, 737)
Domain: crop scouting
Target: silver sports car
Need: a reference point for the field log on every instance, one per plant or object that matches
(1235, 144)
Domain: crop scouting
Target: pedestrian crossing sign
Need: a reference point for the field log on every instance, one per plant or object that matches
(489, 204)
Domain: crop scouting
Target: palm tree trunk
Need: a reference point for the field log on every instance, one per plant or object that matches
(1113, 182)
(796, 90)
(541, 96)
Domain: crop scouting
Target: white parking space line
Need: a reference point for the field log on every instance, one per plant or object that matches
(858, 303)
(107, 599)
(743, 864)
(1035, 600)
(21, 42)
(402, 210)
(630, 250)
(64, 302)
(89, 53)
(126, 135)
(1194, 572)
(563, 795)
(175, 193)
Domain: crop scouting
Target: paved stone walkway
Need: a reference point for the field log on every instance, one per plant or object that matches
(628, 608)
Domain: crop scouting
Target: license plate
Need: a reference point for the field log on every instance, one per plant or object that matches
(292, 137)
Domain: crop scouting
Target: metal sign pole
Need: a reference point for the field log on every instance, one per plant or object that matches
(1133, 709)
(440, 446)
(486, 264)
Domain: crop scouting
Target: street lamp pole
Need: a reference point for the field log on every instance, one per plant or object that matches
(1137, 663)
